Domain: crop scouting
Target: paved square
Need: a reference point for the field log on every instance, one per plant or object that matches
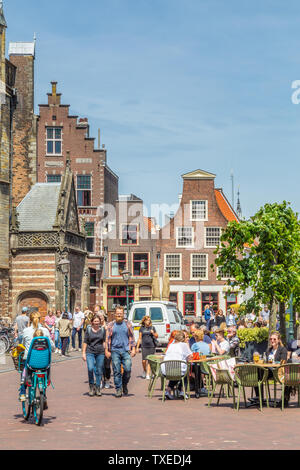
(76, 421)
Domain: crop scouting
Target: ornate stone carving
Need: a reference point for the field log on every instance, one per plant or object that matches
(38, 240)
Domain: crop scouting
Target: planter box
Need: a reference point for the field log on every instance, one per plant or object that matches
(253, 346)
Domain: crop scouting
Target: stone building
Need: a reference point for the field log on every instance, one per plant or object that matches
(131, 245)
(7, 105)
(187, 244)
(96, 184)
(45, 231)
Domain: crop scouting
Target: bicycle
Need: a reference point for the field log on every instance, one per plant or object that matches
(37, 365)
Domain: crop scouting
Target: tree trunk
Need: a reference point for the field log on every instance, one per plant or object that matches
(282, 327)
(272, 319)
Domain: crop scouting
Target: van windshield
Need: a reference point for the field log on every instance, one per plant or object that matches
(139, 314)
(156, 314)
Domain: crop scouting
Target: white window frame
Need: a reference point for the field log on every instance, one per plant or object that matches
(54, 140)
(180, 265)
(191, 267)
(193, 238)
(191, 210)
(211, 246)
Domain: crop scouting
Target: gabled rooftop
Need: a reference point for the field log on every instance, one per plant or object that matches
(198, 175)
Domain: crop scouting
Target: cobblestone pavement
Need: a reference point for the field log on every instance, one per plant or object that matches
(76, 421)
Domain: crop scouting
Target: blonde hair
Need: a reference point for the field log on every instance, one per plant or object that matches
(35, 319)
(180, 336)
(38, 332)
(199, 335)
(223, 326)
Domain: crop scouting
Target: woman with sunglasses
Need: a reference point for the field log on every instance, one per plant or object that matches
(276, 351)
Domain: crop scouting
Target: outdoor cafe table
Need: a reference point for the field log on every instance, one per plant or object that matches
(197, 364)
(266, 365)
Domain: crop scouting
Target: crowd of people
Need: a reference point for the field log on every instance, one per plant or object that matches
(108, 347)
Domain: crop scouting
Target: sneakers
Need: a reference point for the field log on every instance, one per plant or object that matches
(144, 375)
(148, 377)
(79, 349)
(101, 384)
(59, 352)
(119, 393)
(181, 394)
(107, 385)
(98, 392)
(125, 390)
(56, 351)
(169, 396)
(92, 391)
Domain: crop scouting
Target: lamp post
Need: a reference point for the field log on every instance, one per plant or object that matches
(126, 277)
(291, 322)
(64, 265)
(199, 297)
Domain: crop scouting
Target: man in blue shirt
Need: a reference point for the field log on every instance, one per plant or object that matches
(120, 346)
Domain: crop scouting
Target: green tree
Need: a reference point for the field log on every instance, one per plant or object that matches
(264, 253)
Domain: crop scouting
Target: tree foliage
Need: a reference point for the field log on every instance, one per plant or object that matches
(263, 253)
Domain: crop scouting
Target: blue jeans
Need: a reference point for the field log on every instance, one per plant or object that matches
(95, 365)
(57, 339)
(119, 358)
(74, 331)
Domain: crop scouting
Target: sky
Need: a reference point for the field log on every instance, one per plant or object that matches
(177, 86)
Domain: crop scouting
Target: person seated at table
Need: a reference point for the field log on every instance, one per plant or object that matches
(220, 345)
(294, 349)
(200, 346)
(171, 338)
(207, 335)
(276, 351)
(178, 350)
(233, 341)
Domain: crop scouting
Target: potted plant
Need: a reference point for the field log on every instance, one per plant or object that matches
(253, 339)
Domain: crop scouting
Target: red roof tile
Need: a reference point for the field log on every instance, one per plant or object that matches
(225, 207)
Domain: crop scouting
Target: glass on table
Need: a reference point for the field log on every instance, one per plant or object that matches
(256, 357)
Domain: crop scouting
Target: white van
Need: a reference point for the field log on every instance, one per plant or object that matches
(164, 315)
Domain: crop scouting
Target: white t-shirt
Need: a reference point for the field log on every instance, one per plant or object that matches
(224, 345)
(177, 352)
(77, 319)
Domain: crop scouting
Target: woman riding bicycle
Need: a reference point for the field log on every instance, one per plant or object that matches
(28, 335)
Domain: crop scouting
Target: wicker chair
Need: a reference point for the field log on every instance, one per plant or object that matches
(173, 371)
(288, 375)
(154, 363)
(251, 376)
(223, 378)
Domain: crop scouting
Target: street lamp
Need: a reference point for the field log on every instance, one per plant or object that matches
(199, 298)
(126, 278)
(64, 266)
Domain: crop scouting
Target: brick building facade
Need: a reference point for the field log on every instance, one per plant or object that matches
(96, 184)
(187, 244)
(7, 106)
(131, 245)
(22, 55)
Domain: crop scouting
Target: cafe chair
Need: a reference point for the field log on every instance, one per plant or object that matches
(287, 375)
(251, 375)
(172, 370)
(154, 363)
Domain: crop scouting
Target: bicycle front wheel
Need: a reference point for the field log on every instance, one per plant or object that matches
(38, 406)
